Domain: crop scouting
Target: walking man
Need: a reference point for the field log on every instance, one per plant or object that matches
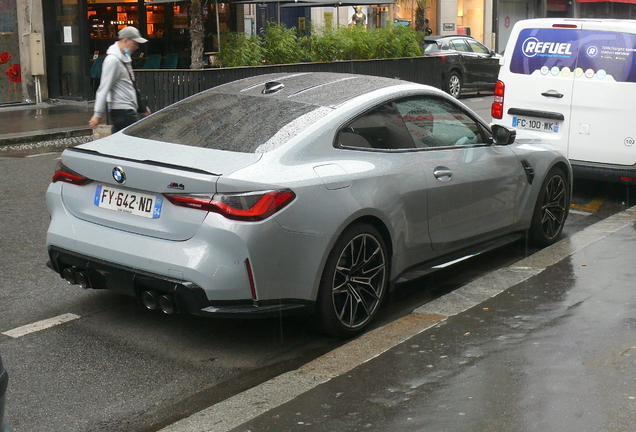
(116, 90)
(427, 28)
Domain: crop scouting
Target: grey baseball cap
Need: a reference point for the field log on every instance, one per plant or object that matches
(131, 33)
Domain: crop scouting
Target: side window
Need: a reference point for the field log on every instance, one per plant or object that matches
(434, 122)
(381, 128)
(459, 45)
(431, 47)
(477, 47)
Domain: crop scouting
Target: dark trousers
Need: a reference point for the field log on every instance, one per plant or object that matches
(122, 119)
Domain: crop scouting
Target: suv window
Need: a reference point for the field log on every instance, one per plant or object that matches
(459, 45)
(431, 47)
(477, 47)
(434, 122)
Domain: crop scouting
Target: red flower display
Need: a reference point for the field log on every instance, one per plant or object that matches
(14, 73)
(4, 57)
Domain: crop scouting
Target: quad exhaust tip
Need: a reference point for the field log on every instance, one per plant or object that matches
(69, 275)
(75, 276)
(150, 299)
(164, 302)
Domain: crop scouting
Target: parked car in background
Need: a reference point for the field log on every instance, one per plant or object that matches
(4, 382)
(467, 64)
(297, 193)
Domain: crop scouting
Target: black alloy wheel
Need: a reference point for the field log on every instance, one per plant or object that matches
(551, 209)
(354, 282)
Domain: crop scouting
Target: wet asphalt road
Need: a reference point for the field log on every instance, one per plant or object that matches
(119, 368)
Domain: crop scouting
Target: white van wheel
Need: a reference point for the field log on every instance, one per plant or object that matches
(453, 84)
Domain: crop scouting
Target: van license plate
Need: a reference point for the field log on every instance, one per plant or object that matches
(535, 125)
(148, 206)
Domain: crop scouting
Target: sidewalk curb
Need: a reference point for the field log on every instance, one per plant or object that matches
(277, 391)
(37, 136)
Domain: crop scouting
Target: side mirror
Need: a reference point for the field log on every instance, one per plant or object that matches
(503, 135)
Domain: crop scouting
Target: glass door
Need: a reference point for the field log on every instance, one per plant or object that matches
(68, 62)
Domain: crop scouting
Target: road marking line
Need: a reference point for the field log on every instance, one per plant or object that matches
(579, 212)
(594, 205)
(40, 325)
(40, 154)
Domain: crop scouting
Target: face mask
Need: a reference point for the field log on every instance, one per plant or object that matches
(126, 51)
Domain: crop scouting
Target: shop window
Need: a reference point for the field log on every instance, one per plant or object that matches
(106, 21)
(180, 17)
(156, 21)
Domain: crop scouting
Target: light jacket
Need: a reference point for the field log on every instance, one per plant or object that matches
(116, 89)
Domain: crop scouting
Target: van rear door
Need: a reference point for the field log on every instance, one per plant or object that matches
(539, 74)
(602, 128)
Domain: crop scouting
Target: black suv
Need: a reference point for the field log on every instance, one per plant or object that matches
(467, 64)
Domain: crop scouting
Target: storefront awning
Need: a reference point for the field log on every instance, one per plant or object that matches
(312, 3)
(154, 2)
(316, 3)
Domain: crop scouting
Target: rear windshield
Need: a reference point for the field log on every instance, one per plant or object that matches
(588, 54)
(431, 47)
(225, 122)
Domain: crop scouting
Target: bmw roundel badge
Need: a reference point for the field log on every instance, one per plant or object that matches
(119, 175)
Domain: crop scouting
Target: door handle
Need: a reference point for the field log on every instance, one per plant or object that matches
(442, 173)
(552, 94)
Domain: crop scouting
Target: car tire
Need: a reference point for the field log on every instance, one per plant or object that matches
(551, 209)
(354, 282)
(453, 84)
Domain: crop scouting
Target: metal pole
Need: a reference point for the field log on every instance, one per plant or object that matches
(218, 25)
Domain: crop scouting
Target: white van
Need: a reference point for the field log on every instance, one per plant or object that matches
(573, 82)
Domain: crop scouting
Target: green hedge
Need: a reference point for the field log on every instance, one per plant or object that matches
(280, 45)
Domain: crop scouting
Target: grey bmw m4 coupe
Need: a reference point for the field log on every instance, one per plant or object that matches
(297, 193)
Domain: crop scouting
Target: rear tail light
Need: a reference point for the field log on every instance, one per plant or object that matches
(496, 111)
(249, 206)
(67, 175)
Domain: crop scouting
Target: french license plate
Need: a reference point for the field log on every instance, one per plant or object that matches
(138, 204)
(551, 126)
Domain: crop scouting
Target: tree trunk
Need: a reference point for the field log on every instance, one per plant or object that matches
(420, 14)
(197, 33)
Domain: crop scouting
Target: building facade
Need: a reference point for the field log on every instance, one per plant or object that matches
(48, 47)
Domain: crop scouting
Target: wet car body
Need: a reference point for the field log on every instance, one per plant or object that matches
(467, 64)
(296, 193)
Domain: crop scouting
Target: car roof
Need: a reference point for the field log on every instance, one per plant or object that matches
(438, 37)
(315, 88)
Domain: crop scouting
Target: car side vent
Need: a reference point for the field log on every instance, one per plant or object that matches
(272, 87)
(529, 170)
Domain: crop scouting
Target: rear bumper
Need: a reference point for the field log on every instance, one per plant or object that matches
(188, 297)
(604, 172)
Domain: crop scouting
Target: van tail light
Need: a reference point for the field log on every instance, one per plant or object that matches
(67, 175)
(496, 111)
(568, 26)
(247, 206)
